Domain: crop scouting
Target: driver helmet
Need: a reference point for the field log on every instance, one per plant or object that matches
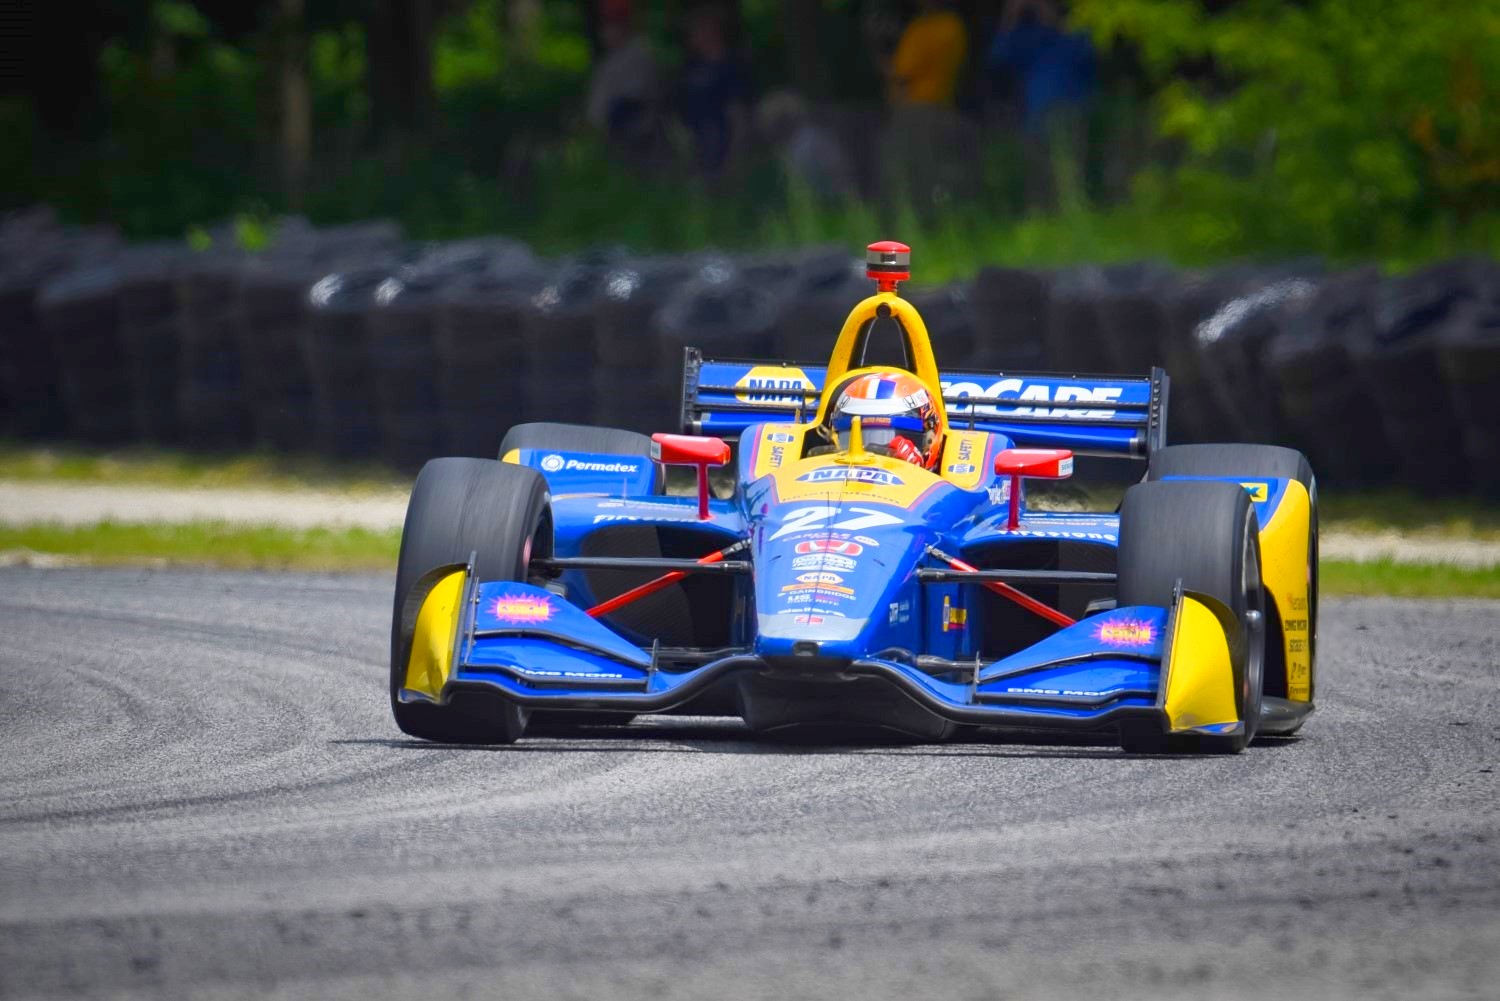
(895, 411)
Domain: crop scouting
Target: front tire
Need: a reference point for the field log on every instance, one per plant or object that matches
(1255, 462)
(1206, 535)
(501, 515)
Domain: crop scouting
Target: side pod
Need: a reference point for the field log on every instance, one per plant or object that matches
(1202, 666)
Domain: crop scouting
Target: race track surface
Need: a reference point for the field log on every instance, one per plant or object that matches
(202, 794)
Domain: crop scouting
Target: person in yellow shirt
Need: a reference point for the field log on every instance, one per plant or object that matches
(929, 57)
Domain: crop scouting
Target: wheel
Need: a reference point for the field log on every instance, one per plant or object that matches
(580, 438)
(1250, 461)
(501, 515)
(1205, 534)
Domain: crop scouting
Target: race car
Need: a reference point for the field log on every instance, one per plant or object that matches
(864, 558)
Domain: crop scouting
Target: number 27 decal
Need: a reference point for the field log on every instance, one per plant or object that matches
(804, 518)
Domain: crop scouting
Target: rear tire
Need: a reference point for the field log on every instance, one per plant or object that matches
(1252, 461)
(581, 438)
(501, 515)
(1206, 535)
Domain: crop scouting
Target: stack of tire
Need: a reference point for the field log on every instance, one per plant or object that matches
(948, 314)
(79, 312)
(479, 344)
(638, 378)
(149, 336)
(272, 311)
(36, 251)
(211, 403)
(1325, 405)
(336, 349)
(1199, 412)
(1011, 311)
(1469, 352)
(403, 347)
(561, 341)
(1074, 334)
(1232, 345)
(814, 290)
(1399, 366)
(723, 312)
(1131, 301)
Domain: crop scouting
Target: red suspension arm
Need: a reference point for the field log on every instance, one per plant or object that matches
(1004, 590)
(652, 586)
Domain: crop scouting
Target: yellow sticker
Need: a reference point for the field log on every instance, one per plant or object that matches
(771, 384)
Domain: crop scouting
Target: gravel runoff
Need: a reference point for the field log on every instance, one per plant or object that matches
(203, 795)
(26, 503)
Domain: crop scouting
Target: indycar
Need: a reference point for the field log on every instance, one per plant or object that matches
(812, 581)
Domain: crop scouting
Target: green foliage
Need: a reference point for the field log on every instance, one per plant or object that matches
(1333, 126)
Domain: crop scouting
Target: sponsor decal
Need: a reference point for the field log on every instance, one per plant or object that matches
(818, 587)
(804, 518)
(781, 437)
(856, 474)
(809, 620)
(536, 672)
(865, 540)
(1295, 625)
(777, 456)
(966, 450)
(1259, 492)
(900, 612)
(954, 619)
(522, 608)
(1299, 604)
(770, 384)
(1297, 646)
(999, 493)
(1049, 534)
(820, 578)
(595, 467)
(961, 468)
(1125, 632)
(636, 505)
(552, 463)
(1024, 393)
(1051, 691)
(606, 518)
(843, 547)
(828, 561)
(1065, 467)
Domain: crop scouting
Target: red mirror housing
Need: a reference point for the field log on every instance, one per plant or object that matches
(1035, 463)
(1031, 463)
(691, 450)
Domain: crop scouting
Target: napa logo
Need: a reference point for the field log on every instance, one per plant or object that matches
(856, 474)
(776, 384)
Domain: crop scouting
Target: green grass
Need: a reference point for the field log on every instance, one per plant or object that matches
(1381, 510)
(139, 465)
(237, 547)
(209, 544)
(1409, 580)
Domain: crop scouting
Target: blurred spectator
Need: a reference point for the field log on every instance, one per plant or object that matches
(1055, 70)
(811, 155)
(929, 147)
(712, 92)
(625, 92)
(925, 66)
(1054, 67)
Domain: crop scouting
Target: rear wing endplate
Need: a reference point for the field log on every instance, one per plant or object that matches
(1111, 415)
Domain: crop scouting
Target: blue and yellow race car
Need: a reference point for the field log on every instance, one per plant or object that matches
(865, 557)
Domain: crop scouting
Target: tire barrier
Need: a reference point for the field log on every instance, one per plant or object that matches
(351, 342)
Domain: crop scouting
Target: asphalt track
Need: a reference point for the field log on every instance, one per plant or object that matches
(202, 794)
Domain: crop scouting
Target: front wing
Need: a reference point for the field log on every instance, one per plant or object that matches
(1177, 665)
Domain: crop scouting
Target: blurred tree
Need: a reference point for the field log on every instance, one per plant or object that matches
(1339, 120)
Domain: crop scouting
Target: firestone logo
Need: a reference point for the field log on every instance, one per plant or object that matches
(522, 608)
(1125, 632)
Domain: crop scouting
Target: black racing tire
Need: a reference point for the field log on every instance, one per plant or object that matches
(1251, 461)
(581, 438)
(500, 514)
(1206, 535)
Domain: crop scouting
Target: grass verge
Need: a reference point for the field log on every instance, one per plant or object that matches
(346, 550)
(220, 545)
(143, 466)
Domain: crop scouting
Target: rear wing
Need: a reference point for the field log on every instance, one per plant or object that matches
(1111, 415)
